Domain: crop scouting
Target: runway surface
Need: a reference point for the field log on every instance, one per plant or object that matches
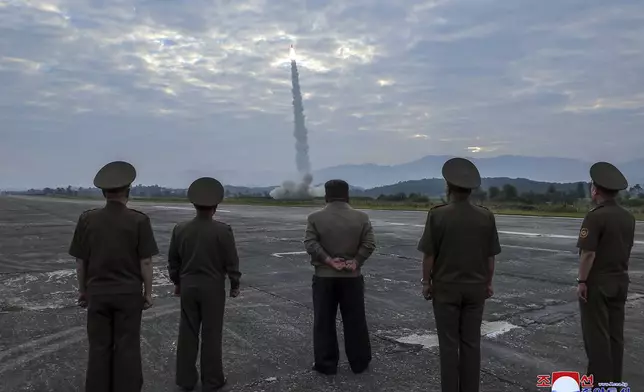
(531, 324)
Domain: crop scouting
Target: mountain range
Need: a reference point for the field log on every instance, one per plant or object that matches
(434, 187)
(545, 169)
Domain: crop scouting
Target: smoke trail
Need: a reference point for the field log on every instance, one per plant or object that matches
(290, 189)
(301, 133)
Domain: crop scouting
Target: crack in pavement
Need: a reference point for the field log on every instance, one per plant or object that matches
(29, 351)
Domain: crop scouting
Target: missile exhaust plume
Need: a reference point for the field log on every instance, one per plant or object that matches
(290, 189)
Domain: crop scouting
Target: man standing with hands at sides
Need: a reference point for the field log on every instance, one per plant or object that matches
(459, 244)
(202, 252)
(339, 239)
(113, 247)
(605, 241)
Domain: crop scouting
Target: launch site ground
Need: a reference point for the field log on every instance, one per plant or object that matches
(531, 324)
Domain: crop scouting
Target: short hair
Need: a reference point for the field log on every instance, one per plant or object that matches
(604, 191)
(118, 192)
(336, 190)
(457, 189)
(204, 208)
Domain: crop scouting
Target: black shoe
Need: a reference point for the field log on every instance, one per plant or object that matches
(185, 389)
(217, 388)
(223, 384)
(359, 369)
(325, 371)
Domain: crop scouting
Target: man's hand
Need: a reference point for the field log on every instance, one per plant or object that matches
(234, 293)
(490, 291)
(82, 300)
(351, 265)
(147, 301)
(582, 292)
(336, 263)
(427, 290)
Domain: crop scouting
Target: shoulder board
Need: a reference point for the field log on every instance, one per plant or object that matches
(437, 206)
(88, 211)
(596, 208)
(223, 224)
(138, 212)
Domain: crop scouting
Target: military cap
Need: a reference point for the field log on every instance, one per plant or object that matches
(607, 176)
(206, 192)
(115, 175)
(462, 173)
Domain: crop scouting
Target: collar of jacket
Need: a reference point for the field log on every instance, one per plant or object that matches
(114, 205)
(338, 205)
(608, 202)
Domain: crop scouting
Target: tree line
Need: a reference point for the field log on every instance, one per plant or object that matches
(509, 193)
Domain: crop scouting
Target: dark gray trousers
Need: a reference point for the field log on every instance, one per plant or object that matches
(348, 293)
(602, 325)
(202, 307)
(458, 310)
(114, 334)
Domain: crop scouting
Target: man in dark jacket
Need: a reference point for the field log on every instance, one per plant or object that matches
(113, 247)
(339, 239)
(202, 252)
(459, 245)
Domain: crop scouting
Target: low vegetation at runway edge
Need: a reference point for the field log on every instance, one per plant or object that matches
(576, 210)
(516, 196)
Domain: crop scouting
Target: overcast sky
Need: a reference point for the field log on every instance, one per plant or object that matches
(193, 87)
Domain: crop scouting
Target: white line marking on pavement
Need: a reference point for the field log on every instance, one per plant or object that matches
(525, 234)
(288, 254)
(427, 341)
(571, 237)
(537, 249)
(521, 233)
(182, 208)
(491, 329)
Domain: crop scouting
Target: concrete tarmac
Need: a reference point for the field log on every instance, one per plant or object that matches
(531, 324)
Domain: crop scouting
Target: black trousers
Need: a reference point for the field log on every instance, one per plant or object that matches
(202, 306)
(602, 325)
(114, 333)
(348, 293)
(458, 310)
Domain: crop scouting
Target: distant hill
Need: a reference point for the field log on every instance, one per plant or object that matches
(559, 170)
(433, 187)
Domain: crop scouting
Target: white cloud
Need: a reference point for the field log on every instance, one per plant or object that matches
(205, 84)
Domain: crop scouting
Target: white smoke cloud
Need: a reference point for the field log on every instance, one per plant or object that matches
(293, 190)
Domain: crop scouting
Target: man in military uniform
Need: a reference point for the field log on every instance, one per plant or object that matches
(605, 241)
(202, 252)
(113, 247)
(459, 243)
(339, 239)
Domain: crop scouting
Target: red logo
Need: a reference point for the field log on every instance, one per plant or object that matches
(565, 377)
(587, 381)
(558, 375)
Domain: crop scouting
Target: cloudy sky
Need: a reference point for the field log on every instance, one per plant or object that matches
(183, 88)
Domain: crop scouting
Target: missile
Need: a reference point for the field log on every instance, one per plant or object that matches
(291, 53)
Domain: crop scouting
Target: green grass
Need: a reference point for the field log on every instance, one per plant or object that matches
(501, 209)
